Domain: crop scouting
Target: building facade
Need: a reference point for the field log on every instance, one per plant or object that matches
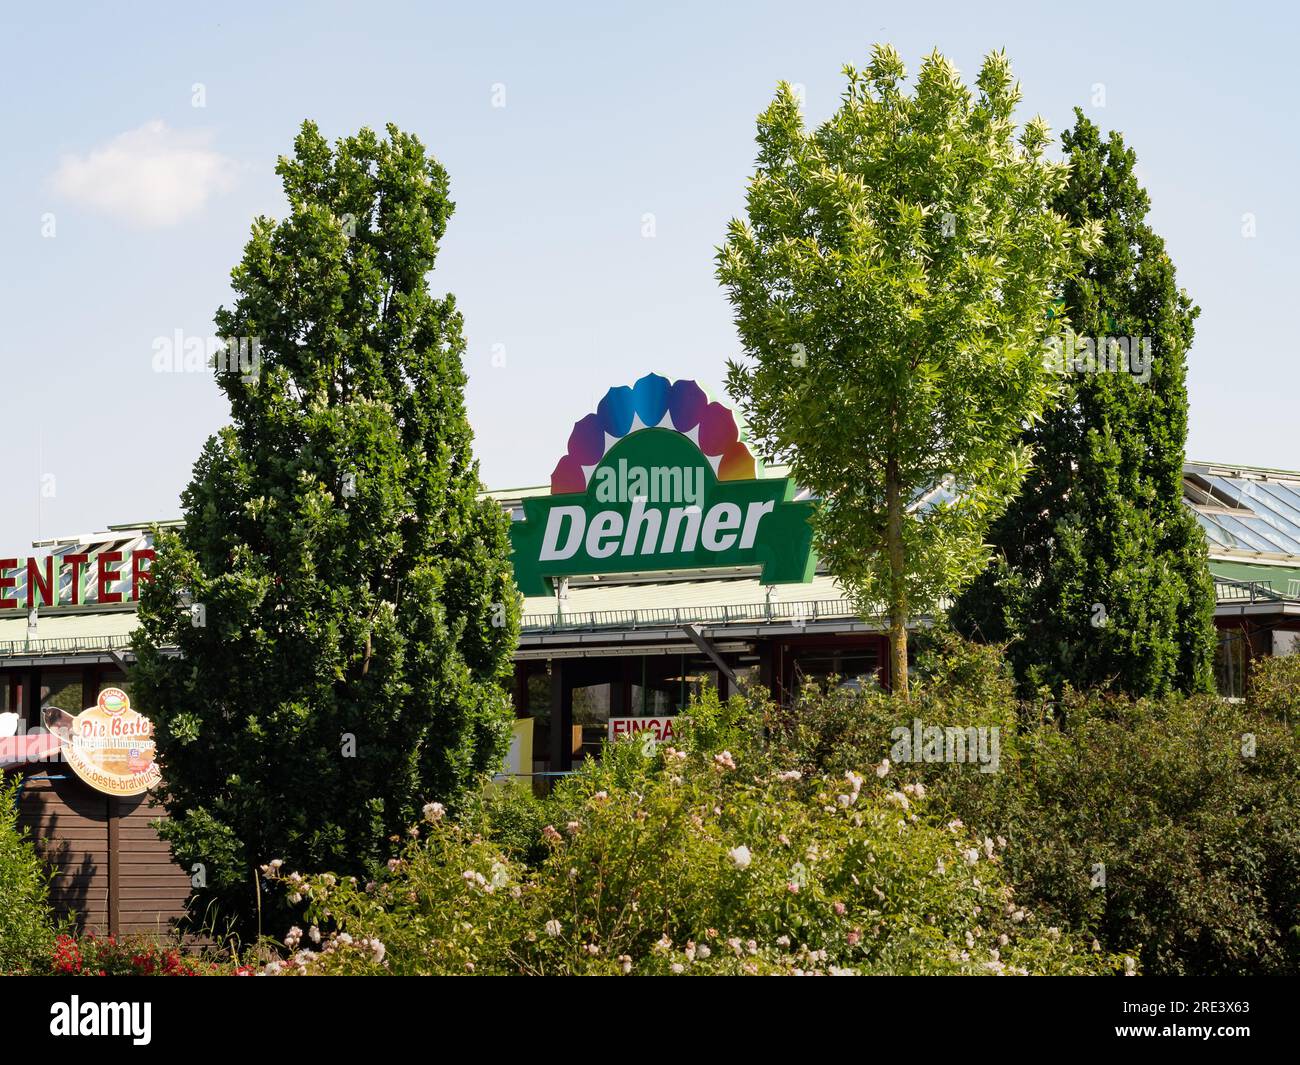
(661, 559)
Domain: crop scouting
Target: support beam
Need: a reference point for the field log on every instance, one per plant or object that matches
(701, 641)
(114, 866)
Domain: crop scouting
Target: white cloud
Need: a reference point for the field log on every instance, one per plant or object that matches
(153, 176)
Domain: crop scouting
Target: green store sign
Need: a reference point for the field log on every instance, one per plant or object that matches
(658, 479)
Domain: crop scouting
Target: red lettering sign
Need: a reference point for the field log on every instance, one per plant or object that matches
(7, 602)
(107, 576)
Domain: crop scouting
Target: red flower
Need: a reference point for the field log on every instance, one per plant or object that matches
(67, 955)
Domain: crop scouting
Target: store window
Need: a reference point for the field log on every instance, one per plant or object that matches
(748, 671)
(849, 667)
(1230, 664)
(666, 684)
(591, 703)
(537, 706)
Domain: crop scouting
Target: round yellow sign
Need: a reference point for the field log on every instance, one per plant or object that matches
(111, 747)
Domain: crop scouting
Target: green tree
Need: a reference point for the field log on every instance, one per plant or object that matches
(891, 287)
(1100, 575)
(341, 599)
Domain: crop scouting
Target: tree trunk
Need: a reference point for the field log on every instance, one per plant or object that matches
(897, 584)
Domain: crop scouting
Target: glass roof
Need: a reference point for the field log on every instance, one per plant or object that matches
(1247, 513)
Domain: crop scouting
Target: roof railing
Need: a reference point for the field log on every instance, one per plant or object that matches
(62, 645)
(723, 614)
(1230, 591)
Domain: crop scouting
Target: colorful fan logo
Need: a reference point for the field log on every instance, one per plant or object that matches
(655, 403)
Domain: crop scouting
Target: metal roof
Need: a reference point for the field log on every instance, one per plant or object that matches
(57, 635)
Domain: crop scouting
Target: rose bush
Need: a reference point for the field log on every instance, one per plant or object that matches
(692, 861)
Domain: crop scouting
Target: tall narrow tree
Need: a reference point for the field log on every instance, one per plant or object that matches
(341, 600)
(891, 286)
(1100, 576)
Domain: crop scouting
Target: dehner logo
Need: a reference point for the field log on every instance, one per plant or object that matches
(103, 1018)
(936, 743)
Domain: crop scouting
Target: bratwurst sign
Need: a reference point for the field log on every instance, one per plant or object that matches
(657, 479)
(111, 747)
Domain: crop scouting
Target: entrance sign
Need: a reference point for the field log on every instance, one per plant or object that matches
(662, 728)
(111, 747)
(659, 479)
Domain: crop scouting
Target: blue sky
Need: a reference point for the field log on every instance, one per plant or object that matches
(611, 113)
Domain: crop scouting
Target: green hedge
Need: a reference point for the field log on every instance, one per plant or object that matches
(26, 920)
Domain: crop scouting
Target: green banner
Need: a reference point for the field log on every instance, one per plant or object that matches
(653, 503)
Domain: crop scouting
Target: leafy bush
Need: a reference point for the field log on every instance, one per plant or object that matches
(1169, 828)
(1275, 687)
(811, 839)
(510, 815)
(691, 861)
(26, 920)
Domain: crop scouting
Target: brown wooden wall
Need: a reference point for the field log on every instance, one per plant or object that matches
(112, 869)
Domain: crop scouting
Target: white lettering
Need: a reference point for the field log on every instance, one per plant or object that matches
(673, 526)
(605, 526)
(753, 515)
(641, 518)
(577, 519)
(721, 518)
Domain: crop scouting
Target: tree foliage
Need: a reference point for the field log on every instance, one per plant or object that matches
(341, 599)
(1100, 575)
(27, 926)
(892, 283)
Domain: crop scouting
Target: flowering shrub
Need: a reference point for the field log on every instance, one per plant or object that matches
(692, 861)
(93, 955)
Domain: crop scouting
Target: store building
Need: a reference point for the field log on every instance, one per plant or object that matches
(662, 558)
